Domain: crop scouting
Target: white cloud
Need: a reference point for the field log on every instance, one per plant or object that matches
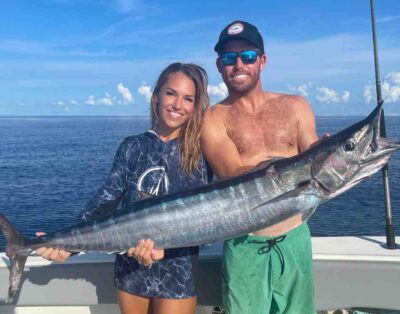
(145, 90)
(368, 93)
(346, 96)
(66, 104)
(220, 91)
(302, 89)
(393, 77)
(390, 89)
(388, 18)
(91, 101)
(110, 100)
(107, 100)
(322, 94)
(391, 93)
(327, 95)
(127, 96)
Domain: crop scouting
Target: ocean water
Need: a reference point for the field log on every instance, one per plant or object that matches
(51, 166)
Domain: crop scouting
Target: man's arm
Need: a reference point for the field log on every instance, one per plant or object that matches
(306, 128)
(218, 148)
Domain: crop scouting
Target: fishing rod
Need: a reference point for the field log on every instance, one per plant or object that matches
(390, 235)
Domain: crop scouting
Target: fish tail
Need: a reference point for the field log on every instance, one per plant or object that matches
(16, 253)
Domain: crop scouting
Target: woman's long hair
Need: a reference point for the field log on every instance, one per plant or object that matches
(189, 137)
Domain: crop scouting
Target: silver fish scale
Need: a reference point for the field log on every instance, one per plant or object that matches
(206, 217)
(201, 218)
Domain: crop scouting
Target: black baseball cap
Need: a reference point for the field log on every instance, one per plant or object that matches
(240, 30)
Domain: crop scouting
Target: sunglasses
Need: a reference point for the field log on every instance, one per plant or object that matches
(247, 57)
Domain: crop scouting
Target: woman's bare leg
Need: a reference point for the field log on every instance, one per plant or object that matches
(133, 304)
(176, 306)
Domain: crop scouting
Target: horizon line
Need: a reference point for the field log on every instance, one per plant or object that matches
(144, 116)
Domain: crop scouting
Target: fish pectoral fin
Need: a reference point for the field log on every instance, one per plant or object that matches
(265, 163)
(290, 194)
(307, 213)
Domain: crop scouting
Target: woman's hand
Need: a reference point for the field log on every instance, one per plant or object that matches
(145, 253)
(51, 254)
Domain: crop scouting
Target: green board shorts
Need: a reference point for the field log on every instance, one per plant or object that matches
(262, 275)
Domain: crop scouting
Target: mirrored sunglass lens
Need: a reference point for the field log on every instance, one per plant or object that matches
(229, 58)
(249, 56)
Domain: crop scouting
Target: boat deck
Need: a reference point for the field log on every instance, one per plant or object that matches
(349, 272)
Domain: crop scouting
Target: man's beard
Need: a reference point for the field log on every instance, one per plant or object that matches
(243, 88)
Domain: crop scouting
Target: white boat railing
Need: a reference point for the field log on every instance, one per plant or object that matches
(349, 272)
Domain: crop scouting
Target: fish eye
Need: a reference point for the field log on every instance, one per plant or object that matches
(349, 146)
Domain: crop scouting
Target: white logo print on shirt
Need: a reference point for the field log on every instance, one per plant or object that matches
(158, 179)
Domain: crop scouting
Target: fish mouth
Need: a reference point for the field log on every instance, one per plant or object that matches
(385, 149)
(369, 166)
(376, 160)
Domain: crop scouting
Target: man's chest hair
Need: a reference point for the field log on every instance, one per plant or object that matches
(257, 134)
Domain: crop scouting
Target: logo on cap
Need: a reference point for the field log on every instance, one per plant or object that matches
(236, 28)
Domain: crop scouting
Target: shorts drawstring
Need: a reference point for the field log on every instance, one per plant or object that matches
(272, 244)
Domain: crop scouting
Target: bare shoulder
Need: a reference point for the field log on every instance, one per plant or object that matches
(217, 112)
(288, 99)
(294, 103)
(301, 107)
(299, 102)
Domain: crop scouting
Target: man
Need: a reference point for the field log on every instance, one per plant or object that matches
(270, 270)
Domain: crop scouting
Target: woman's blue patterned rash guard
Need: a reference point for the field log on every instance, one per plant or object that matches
(145, 163)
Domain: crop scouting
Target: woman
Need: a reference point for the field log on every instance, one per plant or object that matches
(165, 159)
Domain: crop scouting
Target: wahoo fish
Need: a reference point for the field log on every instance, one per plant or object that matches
(271, 193)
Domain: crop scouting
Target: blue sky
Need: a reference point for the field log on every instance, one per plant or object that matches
(102, 57)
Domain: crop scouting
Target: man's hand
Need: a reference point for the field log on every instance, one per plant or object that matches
(145, 253)
(51, 254)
